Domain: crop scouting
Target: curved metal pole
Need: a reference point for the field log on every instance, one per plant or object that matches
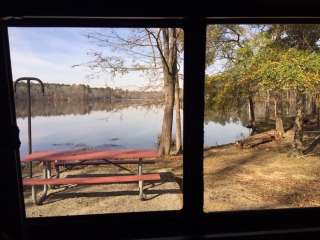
(29, 79)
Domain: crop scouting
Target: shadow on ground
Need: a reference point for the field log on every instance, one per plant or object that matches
(150, 188)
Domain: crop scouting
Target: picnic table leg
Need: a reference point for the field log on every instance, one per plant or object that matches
(45, 187)
(57, 168)
(141, 195)
(49, 173)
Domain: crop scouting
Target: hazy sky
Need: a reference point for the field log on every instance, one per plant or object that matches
(49, 53)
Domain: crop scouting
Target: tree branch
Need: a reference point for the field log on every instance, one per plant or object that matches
(159, 47)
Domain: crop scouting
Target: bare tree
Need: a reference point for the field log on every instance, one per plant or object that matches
(168, 54)
(151, 51)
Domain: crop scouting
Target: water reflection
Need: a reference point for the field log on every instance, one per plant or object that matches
(59, 126)
(227, 127)
(57, 108)
(98, 124)
(224, 128)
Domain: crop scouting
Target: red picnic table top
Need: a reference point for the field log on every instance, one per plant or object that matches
(82, 155)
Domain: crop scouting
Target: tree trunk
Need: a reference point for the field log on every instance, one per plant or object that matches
(318, 117)
(312, 146)
(169, 66)
(267, 104)
(278, 116)
(178, 118)
(252, 115)
(313, 105)
(279, 128)
(165, 139)
(298, 123)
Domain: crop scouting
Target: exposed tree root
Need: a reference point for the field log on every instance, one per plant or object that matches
(312, 146)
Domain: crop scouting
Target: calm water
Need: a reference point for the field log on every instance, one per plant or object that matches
(105, 125)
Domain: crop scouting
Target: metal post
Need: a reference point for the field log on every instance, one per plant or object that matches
(29, 127)
(140, 181)
(29, 79)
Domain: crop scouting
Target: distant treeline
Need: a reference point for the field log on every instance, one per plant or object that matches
(80, 92)
(58, 108)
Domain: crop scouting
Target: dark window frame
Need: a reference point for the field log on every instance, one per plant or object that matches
(191, 220)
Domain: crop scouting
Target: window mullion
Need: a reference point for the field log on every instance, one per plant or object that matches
(195, 40)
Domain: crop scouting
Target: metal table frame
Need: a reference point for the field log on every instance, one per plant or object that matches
(47, 164)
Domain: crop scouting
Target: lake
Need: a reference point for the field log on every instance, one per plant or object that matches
(67, 125)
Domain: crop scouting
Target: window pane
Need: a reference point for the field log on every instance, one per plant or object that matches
(103, 107)
(262, 117)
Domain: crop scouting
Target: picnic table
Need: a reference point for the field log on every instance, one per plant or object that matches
(69, 158)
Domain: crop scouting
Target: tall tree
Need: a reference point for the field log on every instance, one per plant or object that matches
(303, 37)
(153, 51)
(277, 58)
(233, 46)
(291, 69)
(169, 66)
(238, 82)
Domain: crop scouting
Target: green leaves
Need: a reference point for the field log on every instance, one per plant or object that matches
(288, 69)
(286, 57)
(222, 41)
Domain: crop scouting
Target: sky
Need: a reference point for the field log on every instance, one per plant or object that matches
(49, 54)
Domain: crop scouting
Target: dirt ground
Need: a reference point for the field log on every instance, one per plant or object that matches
(267, 176)
(111, 198)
